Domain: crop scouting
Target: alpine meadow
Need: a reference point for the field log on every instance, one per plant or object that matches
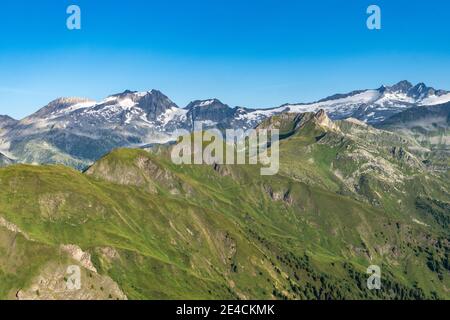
(224, 159)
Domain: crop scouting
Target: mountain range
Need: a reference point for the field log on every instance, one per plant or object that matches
(347, 196)
(78, 131)
(363, 180)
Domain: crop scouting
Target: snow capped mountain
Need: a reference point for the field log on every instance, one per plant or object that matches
(77, 131)
(371, 106)
(60, 107)
(132, 109)
(211, 113)
(338, 106)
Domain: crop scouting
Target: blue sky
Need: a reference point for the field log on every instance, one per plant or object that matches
(245, 52)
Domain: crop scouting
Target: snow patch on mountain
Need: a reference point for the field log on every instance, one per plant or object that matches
(345, 106)
(171, 115)
(370, 106)
(206, 103)
(435, 100)
(366, 97)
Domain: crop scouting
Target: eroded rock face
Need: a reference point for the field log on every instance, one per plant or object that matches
(280, 195)
(76, 253)
(109, 253)
(324, 121)
(228, 249)
(53, 283)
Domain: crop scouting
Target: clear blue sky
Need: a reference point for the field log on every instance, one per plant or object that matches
(255, 53)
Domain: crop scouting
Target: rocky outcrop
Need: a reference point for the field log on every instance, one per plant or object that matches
(324, 121)
(53, 283)
(76, 253)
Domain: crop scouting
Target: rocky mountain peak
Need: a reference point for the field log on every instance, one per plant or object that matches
(323, 120)
(4, 117)
(420, 91)
(403, 86)
(211, 110)
(154, 103)
(6, 121)
(124, 94)
(209, 103)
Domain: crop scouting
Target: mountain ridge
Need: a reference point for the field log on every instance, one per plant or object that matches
(347, 196)
(419, 91)
(78, 131)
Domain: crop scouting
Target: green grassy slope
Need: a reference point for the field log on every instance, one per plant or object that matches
(210, 232)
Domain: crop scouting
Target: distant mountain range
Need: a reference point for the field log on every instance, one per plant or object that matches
(78, 131)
